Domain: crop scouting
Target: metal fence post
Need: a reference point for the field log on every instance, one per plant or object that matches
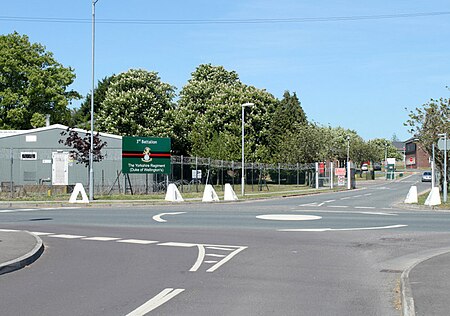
(331, 174)
(181, 166)
(279, 174)
(11, 186)
(196, 174)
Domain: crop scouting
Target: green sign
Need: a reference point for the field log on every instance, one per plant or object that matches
(145, 155)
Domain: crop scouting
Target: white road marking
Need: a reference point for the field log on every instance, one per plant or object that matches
(365, 207)
(9, 230)
(215, 255)
(220, 248)
(36, 209)
(225, 260)
(357, 196)
(137, 241)
(164, 296)
(101, 238)
(200, 258)
(309, 204)
(177, 244)
(329, 201)
(42, 234)
(349, 212)
(66, 236)
(233, 250)
(288, 217)
(18, 210)
(338, 206)
(339, 229)
(379, 213)
(367, 194)
(159, 219)
(346, 198)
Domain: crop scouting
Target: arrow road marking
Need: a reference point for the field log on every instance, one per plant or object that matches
(164, 296)
(159, 219)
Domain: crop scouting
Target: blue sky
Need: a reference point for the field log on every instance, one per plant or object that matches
(358, 74)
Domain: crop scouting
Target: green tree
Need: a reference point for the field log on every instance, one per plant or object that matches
(210, 108)
(82, 116)
(32, 81)
(426, 122)
(137, 103)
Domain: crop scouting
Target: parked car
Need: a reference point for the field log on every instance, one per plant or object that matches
(364, 167)
(376, 166)
(426, 176)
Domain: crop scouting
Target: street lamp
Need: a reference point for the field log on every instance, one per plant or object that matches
(444, 135)
(243, 157)
(348, 163)
(91, 150)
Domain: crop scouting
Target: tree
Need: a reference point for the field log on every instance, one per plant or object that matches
(210, 108)
(426, 122)
(82, 145)
(137, 103)
(32, 81)
(82, 116)
(288, 120)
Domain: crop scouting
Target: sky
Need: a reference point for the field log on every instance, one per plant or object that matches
(361, 65)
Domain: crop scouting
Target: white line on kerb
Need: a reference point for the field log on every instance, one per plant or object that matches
(164, 296)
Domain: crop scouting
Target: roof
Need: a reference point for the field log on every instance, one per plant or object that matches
(398, 145)
(10, 133)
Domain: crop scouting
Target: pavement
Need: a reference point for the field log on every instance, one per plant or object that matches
(18, 249)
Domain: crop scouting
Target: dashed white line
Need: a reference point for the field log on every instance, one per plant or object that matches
(177, 244)
(365, 207)
(346, 198)
(155, 302)
(329, 201)
(66, 236)
(338, 206)
(137, 241)
(101, 238)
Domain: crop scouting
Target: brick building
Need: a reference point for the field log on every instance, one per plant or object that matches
(416, 156)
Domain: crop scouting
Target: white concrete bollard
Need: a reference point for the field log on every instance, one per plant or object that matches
(77, 190)
(210, 195)
(434, 198)
(229, 195)
(172, 194)
(412, 196)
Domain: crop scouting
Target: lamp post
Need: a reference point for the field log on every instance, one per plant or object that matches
(91, 150)
(348, 164)
(444, 135)
(242, 143)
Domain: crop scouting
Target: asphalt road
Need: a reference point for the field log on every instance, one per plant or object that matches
(328, 254)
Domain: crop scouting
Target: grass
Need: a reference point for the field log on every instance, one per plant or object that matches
(271, 190)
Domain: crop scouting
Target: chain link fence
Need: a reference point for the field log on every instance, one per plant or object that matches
(44, 171)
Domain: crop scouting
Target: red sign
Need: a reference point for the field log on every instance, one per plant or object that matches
(339, 171)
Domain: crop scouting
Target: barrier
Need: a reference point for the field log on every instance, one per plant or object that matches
(76, 191)
(172, 194)
(210, 195)
(412, 196)
(229, 195)
(434, 198)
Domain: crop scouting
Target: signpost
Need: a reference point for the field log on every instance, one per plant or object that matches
(146, 155)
